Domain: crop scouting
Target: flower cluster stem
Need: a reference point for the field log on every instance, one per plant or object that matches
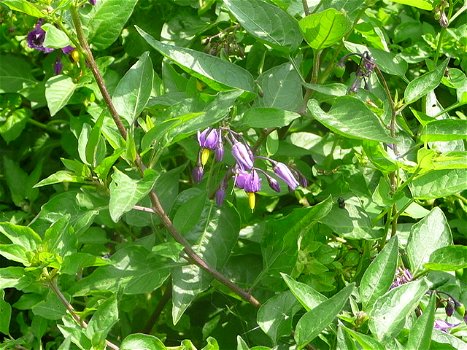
(156, 205)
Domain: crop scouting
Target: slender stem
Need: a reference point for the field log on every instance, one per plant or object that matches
(306, 9)
(441, 36)
(43, 126)
(156, 204)
(145, 209)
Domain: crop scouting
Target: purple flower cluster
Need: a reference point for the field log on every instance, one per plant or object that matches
(402, 276)
(244, 173)
(35, 40)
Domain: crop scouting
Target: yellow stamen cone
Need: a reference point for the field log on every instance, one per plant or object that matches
(75, 55)
(205, 156)
(251, 200)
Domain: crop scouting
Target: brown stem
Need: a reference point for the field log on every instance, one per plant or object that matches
(156, 205)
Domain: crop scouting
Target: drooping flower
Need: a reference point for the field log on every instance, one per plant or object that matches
(36, 37)
(209, 140)
(283, 172)
(444, 326)
(243, 155)
(197, 173)
(273, 183)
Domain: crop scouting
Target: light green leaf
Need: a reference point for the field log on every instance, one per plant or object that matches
(51, 308)
(15, 252)
(276, 314)
(439, 183)
(334, 89)
(267, 22)
(388, 314)
(305, 294)
(60, 177)
(420, 332)
(212, 70)
(58, 91)
(102, 320)
(132, 92)
(268, 117)
(126, 192)
(142, 342)
(421, 4)
(5, 314)
(55, 38)
(422, 85)
(10, 276)
(313, 322)
(379, 275)
(444, 130)
(449, 258)
(59, 238)
(24, 6)
(106, 20)
(350, 117)
(426, 236)
(325, 28)
(366, 341)
(21, 235)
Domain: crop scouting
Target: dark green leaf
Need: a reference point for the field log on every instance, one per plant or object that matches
(5, 314)
(449, 258)
(15, 124)
(268, 117)
(313, 322)
(420, 332)
(422, 85)
(305, 294)
(103, 320)
(439, 183)
(426, 236)
(51, 308)
(267, 22)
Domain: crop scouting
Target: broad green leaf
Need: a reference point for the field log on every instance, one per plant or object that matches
(268, 117)
(420, 332)
(449, 258)
(103, 320)
(281, 88)
(351, 118)
(313, 322)
(24, 6)
(95, 148)
(55, 38)
(305, 294)
(429, 234)
(51, 308)
(20, 235)
(5, 314)
(142, 342)
(422, 85)
(10, 276)
(334, 89)
(58, 91)
(126, 192)
(210, 69)
(444, 130)
(15, 252)
(365, 341)
(132, 92)
(388, 314)
(421, 4)
(214, 237)
(276, 314)
(106, 20)
(439, 183)
(379, 275)
(279, 242)
(15, 124)
(379, 157)
(441, 340)
(15, 74)
(267, 22)
(74, 262)
(325, 28)
(60, 176)
(60, 238)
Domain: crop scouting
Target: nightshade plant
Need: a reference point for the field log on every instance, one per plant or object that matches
(181, 174)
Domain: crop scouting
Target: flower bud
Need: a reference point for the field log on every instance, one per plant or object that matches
(197, 173)
(208, 138)
(449, 307)
(242, 155)
(273, 184)
(286, 175)
(220, 195)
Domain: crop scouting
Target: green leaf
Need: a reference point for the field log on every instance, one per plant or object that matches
(142, 342)
(420, 332)
(102, 320)
(21, 235)
(325, 28)
(59, 238)
(305, 294)
(379, 275)
(10, 276)
(132, 92)
(214, 236)
(51, 308)
(276, 314)
(60, 176)
(364, 340)
(313, 322)
(15, 124)
(281, 88)
(126, 192)
(387, 317)
(267, 22)
(15, 74)
(268, 117)
(444, 130)
(58, 91)
(351, 118)
(15, 252)
(55, 38)
(421, 4)
(24, 6)
(429, 234)
(211, 70)
(74, 262)
(106, 20)
(439, 183)
(5, 314)
(422, 85)
(334, 89)
(449, 258)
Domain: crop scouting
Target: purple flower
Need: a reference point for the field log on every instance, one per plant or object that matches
(67, 49)
(402, 276)
(252, 182)
(58, 66)
(197, 173)
(243, 155)
(92, 2)
(449, 307)
(219, 153)
(273, 183)
(444, 326)
(36, 38)
(209, 138)
(286, 175)
(220, 195)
